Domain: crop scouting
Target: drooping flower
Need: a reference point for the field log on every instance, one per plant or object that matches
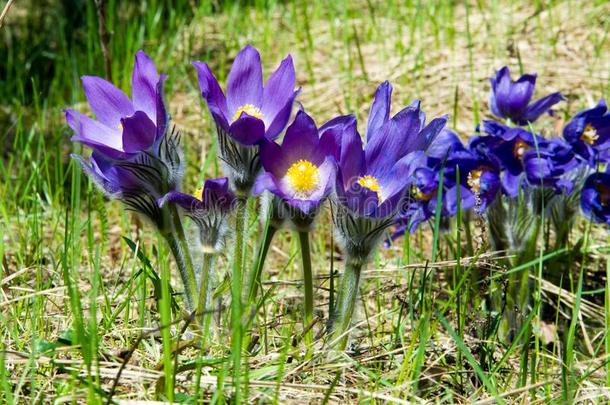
(595, 197)
(123, 127)
(209, 207)
(588, 132)
(301, 171)
(249, 113)
(511, 99)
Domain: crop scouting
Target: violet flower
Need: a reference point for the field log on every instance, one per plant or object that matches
(588, 132)
(595, 197)
(249, 113)
(511, 99)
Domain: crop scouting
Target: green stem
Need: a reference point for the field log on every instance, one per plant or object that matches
(257, 271)
(236, 291)
(346, 302)
(178, 253)
(180, 249)
(308, 285)
(205, 292)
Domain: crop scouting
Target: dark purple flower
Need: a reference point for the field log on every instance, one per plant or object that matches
(250, 111)
(595, 197)
(588, 132)
(371, 180)
(209, 207)
(123, 127)
(550, 165)
(511, 100)
(114, 180)
(301, 171)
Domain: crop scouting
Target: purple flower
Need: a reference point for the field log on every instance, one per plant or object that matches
(302, 170)
(550, 165)
(595, 197)
(588, 132)
(511, 100)
(250, 111)
(371, 180)
(209, 207)
(123, 127)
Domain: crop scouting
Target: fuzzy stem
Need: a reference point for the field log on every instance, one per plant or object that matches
(257, 271)
(205, 291)
(180, 249)
(346, 302)
(236, 291)
(308, 285)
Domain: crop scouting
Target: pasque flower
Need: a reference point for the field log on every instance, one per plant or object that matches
(588, 132)
(134, 157)
(301, 171)
(595, 197)
(550, 165)
(123, 127)
(370, 186)
(511, 99)
(209, 207)
(250, 112)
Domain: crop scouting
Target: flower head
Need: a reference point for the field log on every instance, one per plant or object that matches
(250, 111)
(123, 127)
(588, 133)
(595, 197)
(511, 99)
(301, 170)
(209, 208)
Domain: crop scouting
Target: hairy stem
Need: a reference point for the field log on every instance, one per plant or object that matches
(346, 302)
(204, 303)
(236, 291)
(261, 256)
(308, 286)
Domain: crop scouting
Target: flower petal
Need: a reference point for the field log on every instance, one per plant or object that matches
(108, 102)
(139, 132)
(278, 90)
(275, 128)
(185, 201)
(301, 140)
(95, 134)
(245, 82)
(213, 95)
(144, 80)
(380, 109)
(539, 107)
(247, 130)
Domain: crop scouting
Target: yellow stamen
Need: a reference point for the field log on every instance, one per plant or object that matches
(589, 135)
(520, 148)
(371, 183)
(199, 194)
(420, 195)
(249, 109)
(304, 177)
(474, 180)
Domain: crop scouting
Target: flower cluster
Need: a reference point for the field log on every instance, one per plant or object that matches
(402, 173)
(508, 158)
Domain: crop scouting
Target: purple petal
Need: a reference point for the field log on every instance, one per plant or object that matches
(139, 132)
(265, 181)
(213, 95)
(331, 134)
(144, 82)
(247, 130)
(539, 107)
(467, 199)
(245, 82)
(447, 141)
(302, 141)
(278, 90)
(108, 102)
(184, 201)
(162, 118)
(352, 158)
(520, 94)
(380, 109)
(95, 134)
(273, 159)
(281, 118)
(511, 184)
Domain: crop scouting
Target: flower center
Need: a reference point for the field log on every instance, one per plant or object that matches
(304, 177)
(589, 135)
(249, 109)
(420, 195)
(371, 183)
(199, 194)
(474, 180)
(520, 148)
